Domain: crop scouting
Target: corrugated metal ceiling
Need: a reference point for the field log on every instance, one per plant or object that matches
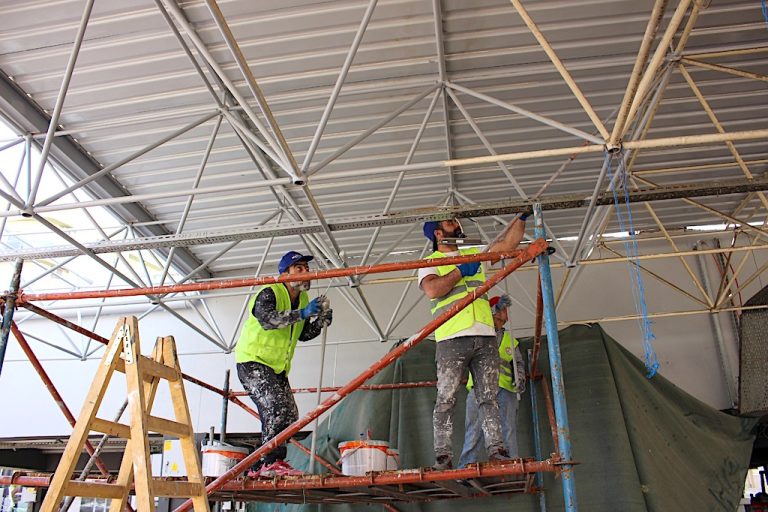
(133, 85)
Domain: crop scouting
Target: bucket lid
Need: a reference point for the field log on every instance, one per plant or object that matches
(347, 445)
(224, 447)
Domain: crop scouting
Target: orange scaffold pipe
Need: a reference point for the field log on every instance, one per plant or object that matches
(257, 281)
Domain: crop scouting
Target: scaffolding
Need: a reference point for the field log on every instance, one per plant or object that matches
(487, 479)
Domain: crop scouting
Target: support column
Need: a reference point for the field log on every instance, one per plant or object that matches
(556, 369)
(536, 431)
(10, 307)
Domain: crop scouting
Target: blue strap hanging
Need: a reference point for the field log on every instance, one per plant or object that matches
(764, 7)
(631, 250)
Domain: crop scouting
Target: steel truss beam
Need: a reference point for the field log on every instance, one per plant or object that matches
(559, 202)
(78, 164)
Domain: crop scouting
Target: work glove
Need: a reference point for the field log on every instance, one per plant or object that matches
(520, 383)
(324, 301)
(325, 318)
(525, 214)
(469, 269)
(312, 309)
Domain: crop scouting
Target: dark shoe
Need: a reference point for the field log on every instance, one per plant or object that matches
(499, 455)
(443, 463)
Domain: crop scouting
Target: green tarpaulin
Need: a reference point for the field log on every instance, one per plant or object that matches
(642, 445)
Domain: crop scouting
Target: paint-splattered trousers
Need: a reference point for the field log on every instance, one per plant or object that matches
(274, 401)
(454, 356)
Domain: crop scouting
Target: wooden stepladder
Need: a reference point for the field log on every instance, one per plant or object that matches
(143, 375)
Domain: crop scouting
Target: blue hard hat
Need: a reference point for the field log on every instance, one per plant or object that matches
(429, 229)
(290, 258)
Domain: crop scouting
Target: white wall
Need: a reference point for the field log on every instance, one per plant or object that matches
(685, 344)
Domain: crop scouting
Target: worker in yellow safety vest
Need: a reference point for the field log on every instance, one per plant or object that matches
(511, 384)
(466, 342)
(278, 317)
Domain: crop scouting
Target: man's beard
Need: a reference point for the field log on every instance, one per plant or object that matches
(302, 286)
(457, 233)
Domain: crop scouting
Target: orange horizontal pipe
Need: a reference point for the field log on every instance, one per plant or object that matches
(257, 281)
(512, 467)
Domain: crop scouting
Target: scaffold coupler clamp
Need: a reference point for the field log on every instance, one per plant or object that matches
(613, 147)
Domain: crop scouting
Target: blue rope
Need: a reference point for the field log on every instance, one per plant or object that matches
(633, 262)
(765, 10)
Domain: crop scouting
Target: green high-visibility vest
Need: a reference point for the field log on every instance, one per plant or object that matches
(506, 373)
(273, 347)
(478, 311)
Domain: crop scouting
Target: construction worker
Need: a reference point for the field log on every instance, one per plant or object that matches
(511, 383)
(277, 318)
(468, 340)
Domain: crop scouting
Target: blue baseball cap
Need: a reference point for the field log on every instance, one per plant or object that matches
(429, 229)
(290, 258)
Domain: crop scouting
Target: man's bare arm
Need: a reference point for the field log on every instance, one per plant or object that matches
(512, 238)
(437, 286)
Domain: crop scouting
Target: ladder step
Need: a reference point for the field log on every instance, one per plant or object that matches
(111, 428)
(151, 369)
(176, 489)
(93, 489)
(168, 427)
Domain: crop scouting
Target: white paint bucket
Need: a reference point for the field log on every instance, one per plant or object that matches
(220, 458)
(361, 457)
(393, 459)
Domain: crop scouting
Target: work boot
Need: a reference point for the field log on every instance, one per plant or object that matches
(255, 470)
(443, 463)
(499, 455)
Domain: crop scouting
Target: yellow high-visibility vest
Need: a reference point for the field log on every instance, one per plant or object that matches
(273, 347)
(478, 311)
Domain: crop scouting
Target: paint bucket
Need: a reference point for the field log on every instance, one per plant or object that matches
(361, 457)
(219, 458)
(393, 459)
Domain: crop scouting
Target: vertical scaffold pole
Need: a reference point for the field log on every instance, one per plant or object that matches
(536, 432)
(10, 307)
(555, 365)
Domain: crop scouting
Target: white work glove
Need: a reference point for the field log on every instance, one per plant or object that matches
(325, 318)
(520, 383)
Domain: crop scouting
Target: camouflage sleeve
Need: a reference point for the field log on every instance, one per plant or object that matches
(311, 330)
(265, 311)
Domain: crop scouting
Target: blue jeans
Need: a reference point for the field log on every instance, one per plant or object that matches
(473, 435)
